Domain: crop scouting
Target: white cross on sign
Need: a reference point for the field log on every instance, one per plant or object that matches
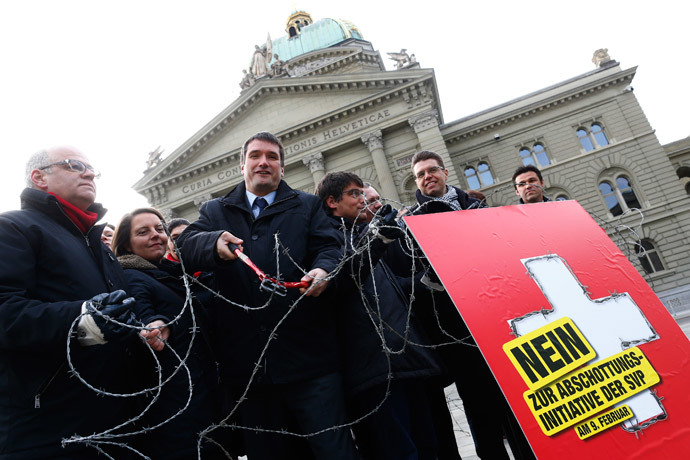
(609, 324)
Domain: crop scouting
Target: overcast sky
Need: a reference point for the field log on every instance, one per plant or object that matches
(116, 79)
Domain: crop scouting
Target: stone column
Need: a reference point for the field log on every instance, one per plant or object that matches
(426, 126)
(168, 214)
(201, 199)
(374, 142)
(316, 165)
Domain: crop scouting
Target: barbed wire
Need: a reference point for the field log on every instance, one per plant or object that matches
(359, 261)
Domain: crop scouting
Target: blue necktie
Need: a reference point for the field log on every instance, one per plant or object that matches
(260, 203)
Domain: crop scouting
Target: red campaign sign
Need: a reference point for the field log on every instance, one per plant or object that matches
(587, 355)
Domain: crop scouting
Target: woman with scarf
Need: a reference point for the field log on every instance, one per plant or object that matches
(187, 403)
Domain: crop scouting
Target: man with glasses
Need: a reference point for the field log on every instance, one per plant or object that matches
(380, 343)
(490, 416)
(372, 202)
(529, 185)
(57, 280)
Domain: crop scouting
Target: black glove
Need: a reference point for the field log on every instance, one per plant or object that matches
(385, 224)
(109, 306)
(433, 206)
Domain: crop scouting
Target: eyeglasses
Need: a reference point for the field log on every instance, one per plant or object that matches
(74, 165)
(533, 181)
(354, 192)
(432, 170)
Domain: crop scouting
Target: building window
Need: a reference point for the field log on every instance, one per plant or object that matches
(561, 197)
(535, 156)
(472, 179)
(480, 176)
(592, 137)
(649, 257)
(618, 195)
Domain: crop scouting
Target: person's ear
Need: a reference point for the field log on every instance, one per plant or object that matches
(38, 178)
(331, 203)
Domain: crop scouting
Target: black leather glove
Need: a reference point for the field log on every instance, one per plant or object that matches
(109, 306)
(385, 224)
(433, 206)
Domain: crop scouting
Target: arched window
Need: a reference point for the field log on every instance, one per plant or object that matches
(485, 174)
(479, 175)
(618, 194)
(472, 179)
(535, 156)
(592, 137)
(561, 197)
(649, 257)
(599, 135)
(585, 141)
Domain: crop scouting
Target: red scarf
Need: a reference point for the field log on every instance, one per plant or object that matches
(82, 219)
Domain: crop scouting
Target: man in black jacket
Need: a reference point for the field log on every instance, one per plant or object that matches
(490, 416)
(283, 349)
(52, 262)
(382, 346)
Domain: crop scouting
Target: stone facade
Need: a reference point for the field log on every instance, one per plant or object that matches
(348, 113)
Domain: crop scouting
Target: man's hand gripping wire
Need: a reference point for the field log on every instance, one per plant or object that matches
(268, 284)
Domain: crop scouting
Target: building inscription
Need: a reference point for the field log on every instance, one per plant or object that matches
(208, 181)
(338, 131)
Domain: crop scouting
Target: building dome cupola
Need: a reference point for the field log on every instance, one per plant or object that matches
(296, 21)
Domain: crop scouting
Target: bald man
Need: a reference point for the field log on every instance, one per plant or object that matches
(52, 265)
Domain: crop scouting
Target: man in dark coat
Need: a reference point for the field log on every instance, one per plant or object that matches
(382, 346)
(529, 184)
(489, 416)
(52, 262)
(284, 348)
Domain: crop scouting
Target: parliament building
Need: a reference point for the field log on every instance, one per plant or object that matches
(324, 91)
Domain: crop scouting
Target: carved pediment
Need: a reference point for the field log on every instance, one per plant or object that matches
(330, 106)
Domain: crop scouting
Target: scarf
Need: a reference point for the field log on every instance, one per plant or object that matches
(84, 220)
(450, 197)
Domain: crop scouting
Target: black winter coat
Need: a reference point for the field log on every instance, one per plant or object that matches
(304, 346)
(48, 268)
(369, 307)
(160, 294)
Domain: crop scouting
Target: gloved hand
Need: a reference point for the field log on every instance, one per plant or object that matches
(433, 207)
(97, 325)
(385, 225)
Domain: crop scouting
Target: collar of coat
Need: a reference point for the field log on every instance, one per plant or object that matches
(133, 261)
(463, 198)
(48, 204)
(238, 195)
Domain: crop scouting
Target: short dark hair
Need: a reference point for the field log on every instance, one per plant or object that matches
(333, 184)
(268, 137)
(110, 226)
(427, 155)
(124, 229)
(524, 169)
(176, 222)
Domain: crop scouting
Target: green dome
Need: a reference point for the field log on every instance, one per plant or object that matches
(319, 35)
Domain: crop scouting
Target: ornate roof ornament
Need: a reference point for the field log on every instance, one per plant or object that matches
(296, 21)
(403, 60)
(154, 158)
(601, 57)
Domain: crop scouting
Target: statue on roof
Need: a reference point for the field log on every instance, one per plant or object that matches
(601, 56)
(262, 56)
(154, 158)
(278, 68)
(247, 79)
(401, 59)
